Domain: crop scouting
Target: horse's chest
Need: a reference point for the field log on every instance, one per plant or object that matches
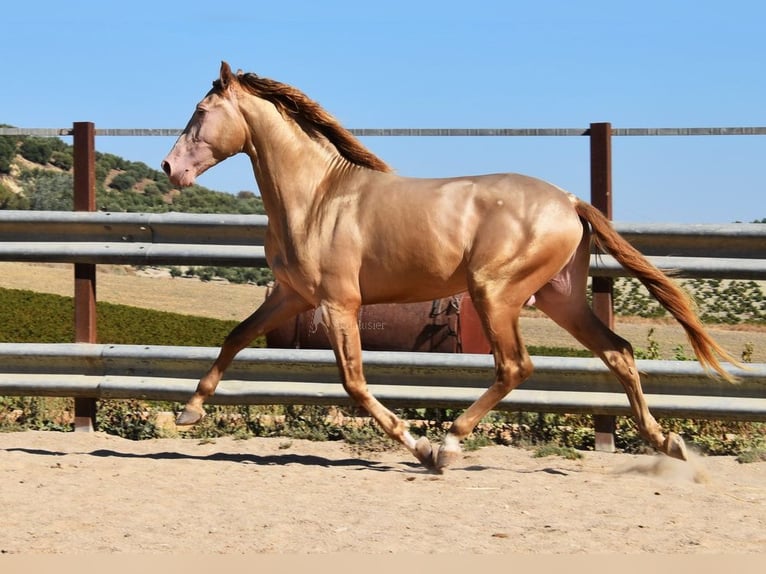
(292, 261)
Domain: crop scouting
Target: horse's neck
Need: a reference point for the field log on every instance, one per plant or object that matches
(289, 167)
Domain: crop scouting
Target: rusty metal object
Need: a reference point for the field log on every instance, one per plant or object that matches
(449, 325)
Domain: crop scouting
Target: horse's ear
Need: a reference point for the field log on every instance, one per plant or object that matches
(226, 75)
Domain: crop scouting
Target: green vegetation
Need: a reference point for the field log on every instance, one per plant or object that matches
(557, 450)
(121, 185)
(257, 276)
(28, 317)
(41, 150)
(754, 454)
(33, 317)
(11, 200)
(8, 150)
(718, 301)
(47, 190)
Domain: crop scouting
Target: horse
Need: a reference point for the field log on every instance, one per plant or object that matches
(345, 230)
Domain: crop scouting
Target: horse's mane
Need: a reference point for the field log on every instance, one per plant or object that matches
(312, 118)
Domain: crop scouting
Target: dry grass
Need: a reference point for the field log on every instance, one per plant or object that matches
(126, 286)
(220, 300)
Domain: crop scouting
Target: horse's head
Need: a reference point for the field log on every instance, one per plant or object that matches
(217, 130)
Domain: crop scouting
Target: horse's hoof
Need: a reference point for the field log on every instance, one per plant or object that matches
(425, 453)
(447, 456)
(675, 447)
(189, 416)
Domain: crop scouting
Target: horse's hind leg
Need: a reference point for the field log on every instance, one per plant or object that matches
(282, 304)
(573, 314)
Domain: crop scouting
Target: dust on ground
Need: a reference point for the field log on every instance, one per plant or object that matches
(78, 493)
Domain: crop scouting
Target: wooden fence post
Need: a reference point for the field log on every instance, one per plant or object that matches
(601, 197)
(84, 273)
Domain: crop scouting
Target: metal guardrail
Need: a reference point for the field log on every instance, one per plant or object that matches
(734, 251)
(133, 238)
(425, 132)
(729, 252)
(288, 376)
(270, 376)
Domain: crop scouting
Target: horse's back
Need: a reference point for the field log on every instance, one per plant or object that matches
(431, 234)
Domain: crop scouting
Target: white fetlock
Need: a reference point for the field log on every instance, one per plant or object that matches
(449, 452)
(409, 441)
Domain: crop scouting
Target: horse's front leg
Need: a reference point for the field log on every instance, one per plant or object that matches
(282, 304)
(341, 322)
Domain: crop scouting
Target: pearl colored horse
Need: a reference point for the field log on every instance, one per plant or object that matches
(344, 231)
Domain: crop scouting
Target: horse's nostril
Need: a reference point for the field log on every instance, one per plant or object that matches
(166, 167)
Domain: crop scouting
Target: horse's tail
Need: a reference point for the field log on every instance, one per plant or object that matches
(670, 296)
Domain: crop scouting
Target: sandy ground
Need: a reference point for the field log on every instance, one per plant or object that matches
(81, 493)
(221, 300)
(85, 493)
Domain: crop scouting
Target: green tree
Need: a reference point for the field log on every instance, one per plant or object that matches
(36, 150)
(139, 170)
(123, 181)
(62, 159)
(7, 152)
(109, 161)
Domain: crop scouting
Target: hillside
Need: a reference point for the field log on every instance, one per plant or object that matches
(36, 173)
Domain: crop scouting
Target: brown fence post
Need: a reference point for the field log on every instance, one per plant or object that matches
(601, 197)
(84, 273)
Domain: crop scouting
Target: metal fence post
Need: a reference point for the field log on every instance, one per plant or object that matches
(84, 273)
(601, 197)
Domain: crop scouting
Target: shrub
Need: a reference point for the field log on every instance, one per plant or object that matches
(126, 418)
(123, 182)
(11, 200)
(62, 159)
(258, 276)
(731, 302)
(556, 450)
(36, 413)
(37, 150)
(7, 152)
(48, 190)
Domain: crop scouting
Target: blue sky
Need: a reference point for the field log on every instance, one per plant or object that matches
(393, 64)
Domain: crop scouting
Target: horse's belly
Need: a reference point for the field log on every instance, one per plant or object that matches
(410, 286)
